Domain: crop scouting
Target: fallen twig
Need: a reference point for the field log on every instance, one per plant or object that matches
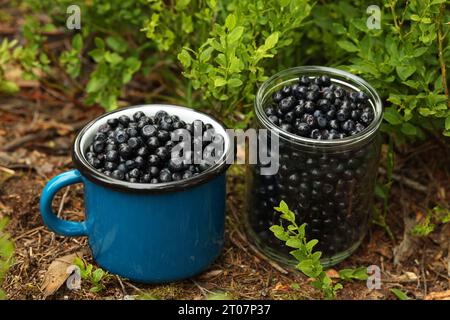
(405, 181)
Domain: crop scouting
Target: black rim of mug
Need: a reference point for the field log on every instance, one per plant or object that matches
(164, 187)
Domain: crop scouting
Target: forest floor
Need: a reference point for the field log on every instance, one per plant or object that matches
(37, 128)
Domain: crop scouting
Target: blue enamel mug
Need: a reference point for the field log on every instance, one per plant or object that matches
(148, 233)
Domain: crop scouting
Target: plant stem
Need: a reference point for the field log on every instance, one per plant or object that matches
(440, 39)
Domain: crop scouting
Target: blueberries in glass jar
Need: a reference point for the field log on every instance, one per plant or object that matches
(327, 190)
(138, 149)
(331, 105)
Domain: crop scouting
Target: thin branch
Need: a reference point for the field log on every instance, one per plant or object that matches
(440, 39)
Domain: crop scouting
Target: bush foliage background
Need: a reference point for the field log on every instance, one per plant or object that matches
(225, 48)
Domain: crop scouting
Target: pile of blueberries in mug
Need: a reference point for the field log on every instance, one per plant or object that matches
(328, 190)
(139, 149)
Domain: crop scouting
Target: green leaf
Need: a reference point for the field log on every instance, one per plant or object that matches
(206, 54)
(409, 129)
(279, 232)
(405, 71)
(185, 58)
(307, 267)
(392, 116)
(96, 289)
(99, 43)
(447, 123)
(235, 35)
(97, 54)
(219, 82)
(347, 46)
(234, 82)
(271, 41)
(113, 58)
(8, 87)
(294, 243)
(77, 42)
(230, 21)
(96, 83)
(357, 274)
(415, 17)
(381, 191)
(97, 275)
(310, 244)
(117, 44)
(400, 294)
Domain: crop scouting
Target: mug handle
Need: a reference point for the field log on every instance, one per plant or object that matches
(58, 225)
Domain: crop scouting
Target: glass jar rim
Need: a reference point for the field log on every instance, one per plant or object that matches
(351, 80)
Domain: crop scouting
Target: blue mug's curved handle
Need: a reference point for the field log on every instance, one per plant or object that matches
(63, 227)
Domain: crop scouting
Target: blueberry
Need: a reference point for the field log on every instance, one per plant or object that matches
(166, 124)
(134, 173)
(289, 117)
(177, 176)
(274, 120)
(303, 129)
(348, 126)
(124, 150)
(304, 80)
(124, 120)
(366, 117)
(140, 162)
(100, 136)
(270, 111)
(334, 124)
(121, 136)
(154, 160)
(286, 90)
(175, 165)
(312, 95)
(162, 153)
(133, 142)
(104, 128)
(310, 120)
(309, 106)
(153, 143)
(287, 104)
(130, 165)
(132, 132)
(277, 96)
(117, 174)
(113, 122)
(300, 92)
(161, 114)
(315, 134)
(342, 114)
(324, 105)
(325, 80)
(149, 131)
(112, 156)
(154, 171)
(331, 114)
(322, 122)
(138, 115)
(359, 127)
(299, 110)
(165, 176)
(98, 146)
(287, 127)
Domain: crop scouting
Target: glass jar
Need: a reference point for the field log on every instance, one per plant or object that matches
(328, 184)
